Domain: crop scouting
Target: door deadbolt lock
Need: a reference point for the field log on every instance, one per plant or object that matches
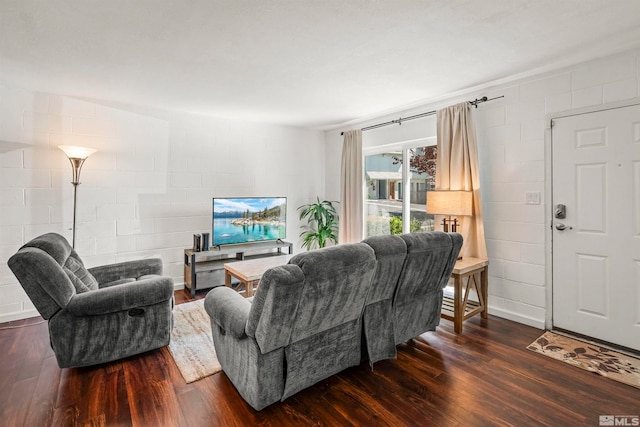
(560, 212)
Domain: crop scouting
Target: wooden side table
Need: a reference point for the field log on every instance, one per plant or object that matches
(469, 273)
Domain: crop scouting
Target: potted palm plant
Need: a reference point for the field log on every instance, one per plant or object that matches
(322, 224)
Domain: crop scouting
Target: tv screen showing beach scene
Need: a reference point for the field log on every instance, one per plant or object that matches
(251, 219)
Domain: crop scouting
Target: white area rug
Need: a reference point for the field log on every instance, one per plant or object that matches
(191, 343)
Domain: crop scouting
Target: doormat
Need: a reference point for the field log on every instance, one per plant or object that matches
(191, 343)
(590, 357)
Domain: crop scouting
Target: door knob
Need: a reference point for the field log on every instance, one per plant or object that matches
(561, 227)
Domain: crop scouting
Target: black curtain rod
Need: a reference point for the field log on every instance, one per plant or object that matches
(399, 121)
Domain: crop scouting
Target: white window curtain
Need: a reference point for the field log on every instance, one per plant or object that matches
(457, 169)
(351, 192)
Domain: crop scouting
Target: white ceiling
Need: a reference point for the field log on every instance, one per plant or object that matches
(311, 63)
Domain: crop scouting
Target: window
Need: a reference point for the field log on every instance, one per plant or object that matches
(396, 190)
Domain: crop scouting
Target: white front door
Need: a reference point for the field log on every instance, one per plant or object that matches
(596, 246)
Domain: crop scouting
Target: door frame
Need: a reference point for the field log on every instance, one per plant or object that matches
(548, 217)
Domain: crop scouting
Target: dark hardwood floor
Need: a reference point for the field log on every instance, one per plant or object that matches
(485, 376)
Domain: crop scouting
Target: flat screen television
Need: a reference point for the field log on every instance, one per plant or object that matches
(248, 219)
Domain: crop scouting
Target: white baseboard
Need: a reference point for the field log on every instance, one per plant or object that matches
(509, 315)
(18, 316)
(494, 311)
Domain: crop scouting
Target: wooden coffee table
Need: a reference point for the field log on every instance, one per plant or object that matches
(250, 272)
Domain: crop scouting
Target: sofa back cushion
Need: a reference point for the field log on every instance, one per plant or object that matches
(417, 302)
(336, 284)
(82, 280)
(390, 252)
(313, 308)
(326, 331)
(274, 307)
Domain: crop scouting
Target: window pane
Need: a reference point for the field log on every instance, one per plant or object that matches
(422, 167)
(384, 193)
(383, 204)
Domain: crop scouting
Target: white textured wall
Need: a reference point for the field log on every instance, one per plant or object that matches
(149, 187)
(511, 137)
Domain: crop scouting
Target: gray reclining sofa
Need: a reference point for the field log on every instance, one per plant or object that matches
(309, 318)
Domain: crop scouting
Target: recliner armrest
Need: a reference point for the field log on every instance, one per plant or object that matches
(121, 297)
(122, 270)
(228, 309)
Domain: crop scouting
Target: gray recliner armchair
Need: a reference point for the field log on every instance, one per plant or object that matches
(99, 314)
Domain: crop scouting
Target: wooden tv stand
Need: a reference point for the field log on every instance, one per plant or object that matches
(205, 269)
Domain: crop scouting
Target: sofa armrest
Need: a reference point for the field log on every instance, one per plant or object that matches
(121, 297)
(128, 269)
(228, 309)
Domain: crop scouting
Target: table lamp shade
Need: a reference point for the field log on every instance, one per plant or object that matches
(452, 203)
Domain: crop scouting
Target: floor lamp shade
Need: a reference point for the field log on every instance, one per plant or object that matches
(75, 152)
(77, 156)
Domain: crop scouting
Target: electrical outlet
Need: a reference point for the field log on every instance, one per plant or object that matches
(532, 197)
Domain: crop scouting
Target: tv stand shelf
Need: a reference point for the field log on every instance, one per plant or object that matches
(205, 269)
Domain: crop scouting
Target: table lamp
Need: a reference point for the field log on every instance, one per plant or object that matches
(451, 204)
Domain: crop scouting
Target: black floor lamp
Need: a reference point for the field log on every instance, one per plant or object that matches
(77, 156)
